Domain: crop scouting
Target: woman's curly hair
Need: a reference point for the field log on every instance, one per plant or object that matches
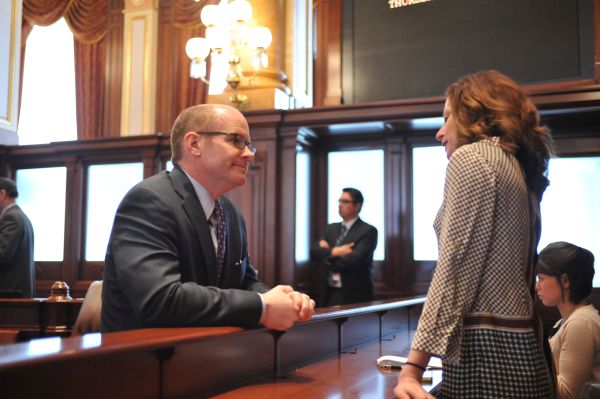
(487, 104)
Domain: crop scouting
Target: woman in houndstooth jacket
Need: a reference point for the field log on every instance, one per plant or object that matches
(479, 315)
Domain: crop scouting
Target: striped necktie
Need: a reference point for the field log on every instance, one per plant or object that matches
(218, 217)
(340, 238)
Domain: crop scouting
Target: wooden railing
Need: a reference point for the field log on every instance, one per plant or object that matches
(199, 362)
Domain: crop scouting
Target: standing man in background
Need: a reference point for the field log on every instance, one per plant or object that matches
(17, 269)
(347, 251)
(178, 252)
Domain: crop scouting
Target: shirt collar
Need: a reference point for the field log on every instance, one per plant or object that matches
(7, 208)
(206, 200)
(350, 223)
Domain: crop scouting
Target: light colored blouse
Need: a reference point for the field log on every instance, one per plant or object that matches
(576, 351)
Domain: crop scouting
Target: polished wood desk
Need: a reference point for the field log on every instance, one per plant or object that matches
(200, 362)
(351, 374)
(22, 319)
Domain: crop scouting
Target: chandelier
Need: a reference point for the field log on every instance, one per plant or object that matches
(233, 43)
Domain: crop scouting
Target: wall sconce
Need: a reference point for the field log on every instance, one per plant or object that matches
(230, 39)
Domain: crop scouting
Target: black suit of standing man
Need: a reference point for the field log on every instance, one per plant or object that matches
(162, 264)
(17, 269)
(348, 254)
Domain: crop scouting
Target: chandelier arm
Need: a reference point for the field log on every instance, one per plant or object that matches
(249, 77)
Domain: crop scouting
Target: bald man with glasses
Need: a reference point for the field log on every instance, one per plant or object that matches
(177, 254)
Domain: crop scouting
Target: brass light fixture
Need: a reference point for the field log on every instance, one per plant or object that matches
(230, 41)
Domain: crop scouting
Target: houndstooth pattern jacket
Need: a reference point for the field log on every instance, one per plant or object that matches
(483, 245)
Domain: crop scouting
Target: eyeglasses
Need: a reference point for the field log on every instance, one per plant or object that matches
(236, 139)
(345, 201)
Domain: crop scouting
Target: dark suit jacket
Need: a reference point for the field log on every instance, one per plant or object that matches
(17, 269)
(160, 268)
(356, 269)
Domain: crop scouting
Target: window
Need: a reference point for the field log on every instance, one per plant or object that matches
(428, 175)
(48, 110)
(362, 170)
(107, 185)
(42, 196)
(302, 206)
(570, 210)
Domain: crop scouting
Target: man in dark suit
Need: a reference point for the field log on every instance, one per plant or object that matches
(347, 251)
(17, 269)
(177, 255)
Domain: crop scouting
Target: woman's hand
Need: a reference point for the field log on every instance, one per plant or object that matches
(409, 387)
(409, 381)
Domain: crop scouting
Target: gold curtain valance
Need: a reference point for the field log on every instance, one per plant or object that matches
(186, 13)
(88, 19)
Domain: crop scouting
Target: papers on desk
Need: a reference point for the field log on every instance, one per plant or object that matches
(389, 361)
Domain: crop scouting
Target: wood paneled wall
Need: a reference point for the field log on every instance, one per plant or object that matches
(333, 66)
(268, 200)
(76, 156)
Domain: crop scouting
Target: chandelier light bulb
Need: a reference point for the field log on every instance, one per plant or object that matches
(260, 37)
(209, 15)
(230, 40)
(240, 10)
(197, 48)
(217, 37)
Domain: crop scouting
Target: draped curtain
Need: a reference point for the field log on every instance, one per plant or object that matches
(180, 21)
(187, 25)
(89, 22)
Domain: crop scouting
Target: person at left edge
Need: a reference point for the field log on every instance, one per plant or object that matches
(17, 268)
(161, 267)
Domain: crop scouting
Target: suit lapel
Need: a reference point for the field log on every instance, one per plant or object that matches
(332, 232)
(351, 235)
(193, 209)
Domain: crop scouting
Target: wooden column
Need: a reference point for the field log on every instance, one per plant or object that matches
(397, 221)
(139, 68)
(114, 70)
(10, 42)
(257, 200)
(328, 60)
(74, 234)
(597, 40)
(298, 50)
(287, 203)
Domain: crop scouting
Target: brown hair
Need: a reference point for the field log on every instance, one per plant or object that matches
(577, 263)
(487, 104)
(194, 118)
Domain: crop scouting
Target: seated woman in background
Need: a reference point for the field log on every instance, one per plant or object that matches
(565, 273)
